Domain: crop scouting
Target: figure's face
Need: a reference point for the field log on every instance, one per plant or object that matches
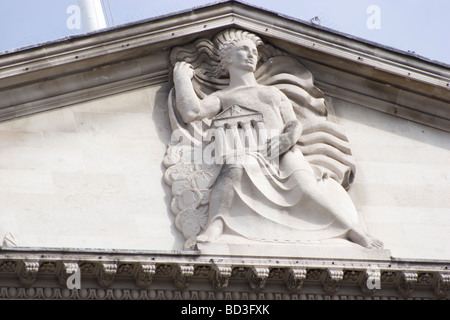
(245, 55)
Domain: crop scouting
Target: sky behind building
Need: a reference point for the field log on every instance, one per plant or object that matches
(417, 26)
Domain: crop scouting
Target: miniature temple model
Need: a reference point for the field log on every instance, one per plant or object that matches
(237, 131)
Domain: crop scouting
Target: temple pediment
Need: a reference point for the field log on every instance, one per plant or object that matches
(237, 113)
(108, 170)
(62, 73)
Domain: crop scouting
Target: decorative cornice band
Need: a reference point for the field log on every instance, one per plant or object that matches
(53, 293)
(142, 274)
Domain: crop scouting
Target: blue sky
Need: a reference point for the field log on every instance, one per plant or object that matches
(420, 26)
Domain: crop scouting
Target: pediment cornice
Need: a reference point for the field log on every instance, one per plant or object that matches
(81, 68)
(30, 273)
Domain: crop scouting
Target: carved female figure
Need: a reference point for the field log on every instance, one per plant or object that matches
(295, 201)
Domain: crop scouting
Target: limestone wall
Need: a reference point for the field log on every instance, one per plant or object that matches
(402, 184)
(91, 176)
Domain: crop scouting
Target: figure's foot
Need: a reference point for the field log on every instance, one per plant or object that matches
(364, 239)
(213, 231)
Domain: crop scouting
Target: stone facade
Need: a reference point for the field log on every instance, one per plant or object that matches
(83, 136)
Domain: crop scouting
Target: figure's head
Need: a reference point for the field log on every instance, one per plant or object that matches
(238, 48)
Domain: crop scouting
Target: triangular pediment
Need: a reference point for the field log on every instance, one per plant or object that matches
(236, 111)
(98, 178)
(82, 68)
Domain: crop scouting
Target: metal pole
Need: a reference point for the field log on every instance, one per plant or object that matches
(92, 15)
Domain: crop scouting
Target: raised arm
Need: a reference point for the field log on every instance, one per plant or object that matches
(189, 106)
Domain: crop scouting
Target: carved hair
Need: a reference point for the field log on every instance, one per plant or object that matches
(226, 41)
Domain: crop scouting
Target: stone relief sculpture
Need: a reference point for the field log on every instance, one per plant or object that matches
(252, 153)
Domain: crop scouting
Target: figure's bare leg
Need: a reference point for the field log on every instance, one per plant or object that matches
(212, 232)
(311, 189)
(220, 201)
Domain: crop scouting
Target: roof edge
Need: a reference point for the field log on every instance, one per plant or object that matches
(244, 4)
(138, 43)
